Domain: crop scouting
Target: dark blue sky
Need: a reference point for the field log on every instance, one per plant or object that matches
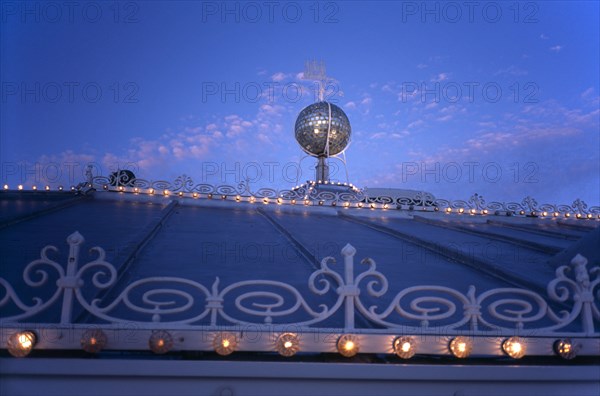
(500, 99)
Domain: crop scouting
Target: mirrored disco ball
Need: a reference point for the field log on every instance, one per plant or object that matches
(312, 125)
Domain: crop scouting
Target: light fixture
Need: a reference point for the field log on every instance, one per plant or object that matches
(160, 342)
(346, 204)
(461, 347)
(121, 188)
(195, 195)
(360, 204)
(306, 202)
(385, 206)
(287, 344)
(372, 206)
(151, 191)
(238, 198)
(72, 188)
(47, 188)
(265, 200)
(555, 214)
(223, 197)
(404, 347)
(6, 186)
(473, 211)
(578, 215)
(20, 187)
(224, 343)
(347, 345)
(21, 343)
(589, 216)
(180, 193)
(165, 192)
(34, 188)
(566, 349)
(514, 347)
(448, 210)
(60, 188)
(484, 211)
(293, 202)
(567, 214)
(93, 340)
(279, 201)
(461, 210)
(252, 199)
(136, 190)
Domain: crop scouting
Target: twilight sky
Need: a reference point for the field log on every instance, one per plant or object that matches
(498, 98)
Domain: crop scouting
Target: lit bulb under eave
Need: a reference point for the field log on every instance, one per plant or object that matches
(160, 342)
(20, 344)
(287, 344)
(347, 345)
(93, 341)
(514, 347)
(404, 347)
(566, 349)
(461, 347)
(224, 343)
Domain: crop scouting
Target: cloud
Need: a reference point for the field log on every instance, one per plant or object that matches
(440, 77)
(421, 66)
(277, 77)
(556, 48)
(544, 37)
(350, 105)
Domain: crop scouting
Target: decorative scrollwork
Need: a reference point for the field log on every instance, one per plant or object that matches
(433, 308)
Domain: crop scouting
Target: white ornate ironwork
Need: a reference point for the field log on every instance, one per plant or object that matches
(326, 193)
(431, 310)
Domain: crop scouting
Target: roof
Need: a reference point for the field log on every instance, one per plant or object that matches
(193, 263)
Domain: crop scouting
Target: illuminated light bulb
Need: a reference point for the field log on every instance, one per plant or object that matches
(566, 349)
(473, 211)
(20, 187)
(555, 214)
(121, 188)
(306, 202)
(372, 206)
(293, 202)
(544, 214)
(180, 193)
(346, 204)
(279, 201)
(151, 191)
(316, 130)
(195, 195)
(6, 186)
(514, 347)
(385, 206)
(347, 345)
(60, 188)
(223, 197)
(166, 192)
(238, 198)
(34, 188)
(136, 190)
(93, 340)
(461, 347)
(578, 215)
(47, 188)
(360, 204)
(160, 342)
(320, 203)
(224, 343)
(21, 343)
(567, 215)
(522, 212)
(333, 203)
(589, 216)
(448, 210)
(265, 201)
(252, 199)
(287, 344)
(461, 210)
(404, 347)
(484, 211)
(72, 188)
